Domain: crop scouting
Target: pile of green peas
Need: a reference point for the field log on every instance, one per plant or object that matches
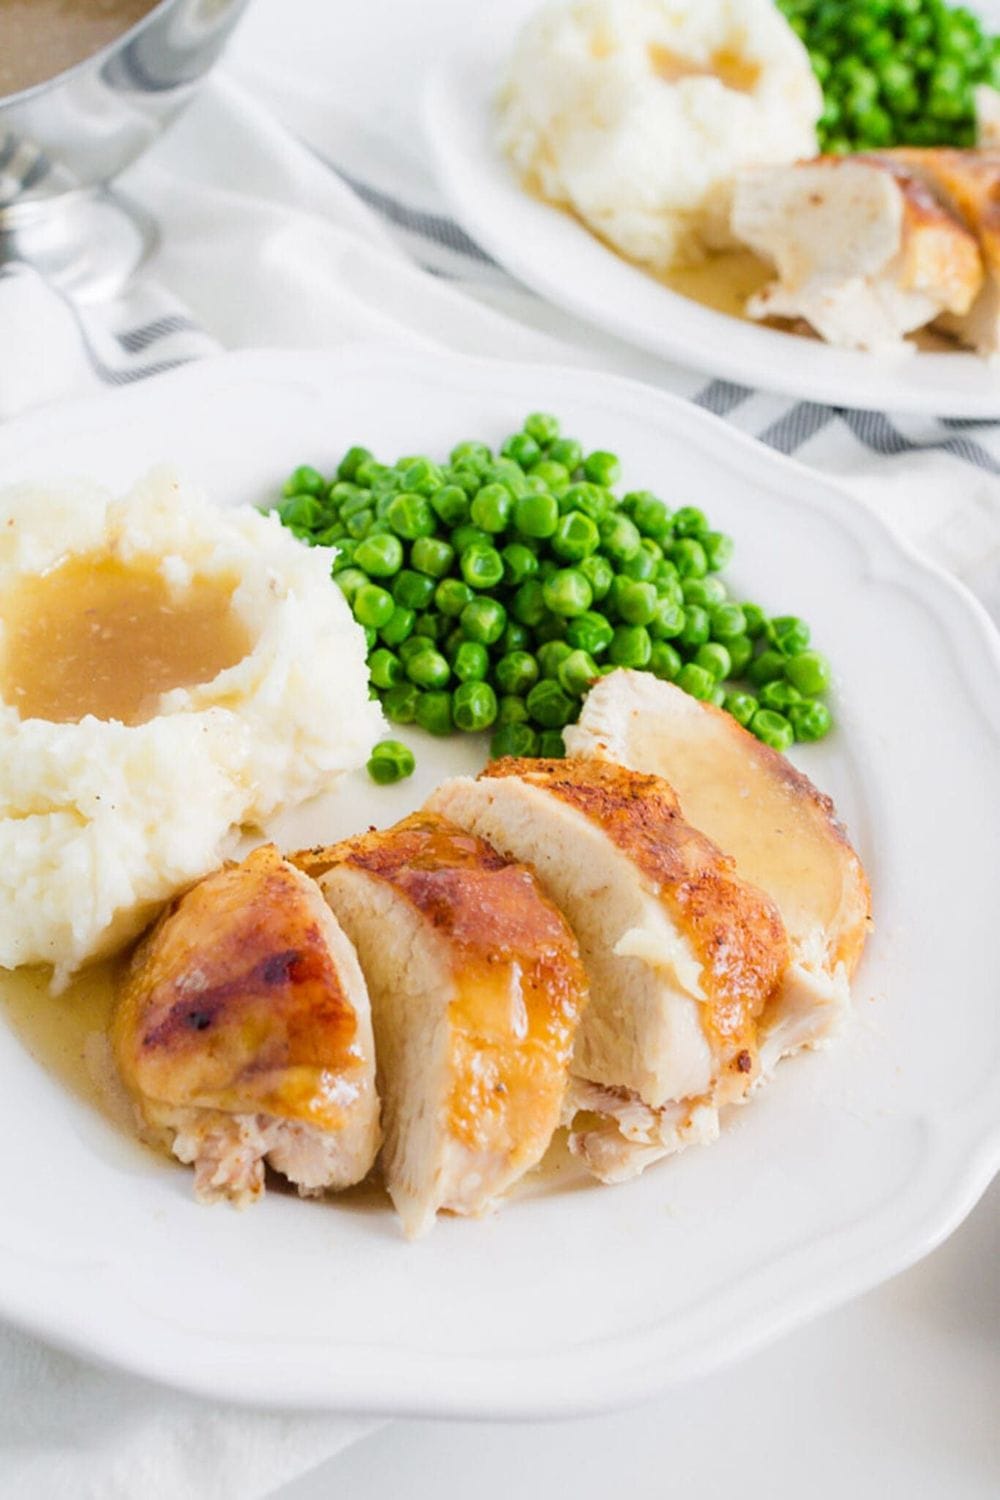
(495, 589)
(895, 72)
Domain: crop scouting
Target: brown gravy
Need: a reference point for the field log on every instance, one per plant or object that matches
(99, 636)
(66, 1032)
(723, 282)
(40, 38)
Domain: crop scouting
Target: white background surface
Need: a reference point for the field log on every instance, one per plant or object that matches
(896, 1395)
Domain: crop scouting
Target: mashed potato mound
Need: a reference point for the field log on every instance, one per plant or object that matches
(100, 821)
(637, 115)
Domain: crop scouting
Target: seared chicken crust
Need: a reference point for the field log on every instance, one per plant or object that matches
(244, 1009)
(476, 974)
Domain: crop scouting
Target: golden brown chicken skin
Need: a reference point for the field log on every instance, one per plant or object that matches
(243, 1033)
(474, 973)
(735, 930)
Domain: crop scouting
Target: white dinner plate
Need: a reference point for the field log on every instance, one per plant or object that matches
(852, 1164)
(554, 253)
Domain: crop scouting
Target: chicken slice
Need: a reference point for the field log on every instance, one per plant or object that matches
(682, 956)
(968, 184)
(476, 986)
(781, 832)
(243, 1034)
(864, 252)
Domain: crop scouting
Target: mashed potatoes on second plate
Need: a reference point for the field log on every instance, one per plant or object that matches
(102, 820)
(637, 114)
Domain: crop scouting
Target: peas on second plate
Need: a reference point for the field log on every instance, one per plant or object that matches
(483, 620)
(575, 537)
(482, 566)
(536, 515)
(492, 507)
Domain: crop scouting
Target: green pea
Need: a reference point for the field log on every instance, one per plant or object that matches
(631, 646)
(349, 581)
(528, 605)
(483, 620)
(345, 555)
(696, 681)
(431, 626)
(650, 515)
(551, 655)
(471, 455)
(688, 556)
(810, 720)
(400, 703)
(385, 668)
(601, 467)
(429, 669)
(472, 662)
(412, 590)
(473, 707)
(514, 739)
(360, 523)
(432, 556)
(664, 661)
(765, 667)
(566, 451)
(742, 706)
(715, 659)
(551, 745)
(599, 574)
(620, 538)
(756, 620)
(549, 705)
(718, 550)
(550, 628)
(512, 709)
(352, 461)
(589, 499)
(372, 605)
(450, 504)
(567, 592)
(516, 637)
(379, 556)
(519, 563)
(410, 516)
(390, 761)
(554, 477)
(809, 672)
(779, 694)
(509, 475)
(772, 729)
(536, 515)
(577, 672)
(412, 647)
(642, 567)
(590, 632)
(516, 672)
(576, 537)
(371, 640)
(305, 480)
(482, 566)
(690, 522)
(636, 602)
(788, 633)
(522, 448)
(369, 472)
(452, 595)
(543, 427)
(668, 620)
(696, 628)
(434, 712)
(422, 476)
(740, 650)
(708, 592)
(728, 621)
(492, 508)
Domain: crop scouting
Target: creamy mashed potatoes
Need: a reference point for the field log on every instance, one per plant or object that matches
(103, 820)
(637, 114)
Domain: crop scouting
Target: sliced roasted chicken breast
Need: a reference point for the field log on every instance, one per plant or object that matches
(968, 184)
(863, 250)
(683, 957)
(477, 987)
(781, 832)
(243, 1035)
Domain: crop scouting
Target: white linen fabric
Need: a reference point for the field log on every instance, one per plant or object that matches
(296, 209)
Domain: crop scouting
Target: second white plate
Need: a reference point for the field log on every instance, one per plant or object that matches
(555, 255)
